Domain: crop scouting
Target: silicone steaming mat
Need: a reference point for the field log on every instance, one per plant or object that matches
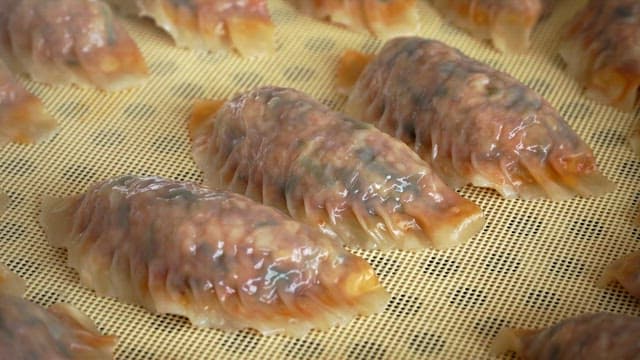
(534, 263)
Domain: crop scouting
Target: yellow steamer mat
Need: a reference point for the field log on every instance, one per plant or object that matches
(535, 262)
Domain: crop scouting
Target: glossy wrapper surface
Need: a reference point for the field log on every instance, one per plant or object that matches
(218, 258)
(69, 41)
(23, 118)
(283, 148)
(508, 23)
(28, 331)
(626, 271)
(474, 124)
(591, 336)
(602, 51)
(383, 19)
(244, 25)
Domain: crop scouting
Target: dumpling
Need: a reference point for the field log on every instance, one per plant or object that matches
(283, 148)
(218, 258)
(472, 123)
(69, 42)
(508, 23)
(23, 118)
(211, 24)
(602, 50)
(599, 336)
(382, 18)
(28, 331)
(626, 271)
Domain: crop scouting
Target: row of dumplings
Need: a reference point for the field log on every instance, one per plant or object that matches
(464, 123)
(225, 261)
(81, 42)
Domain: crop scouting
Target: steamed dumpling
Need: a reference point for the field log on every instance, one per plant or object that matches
(599, 336)
(382, 18)
(283, 148)
(23, 118)
(69, 42)
(28, 331)
(602, 51)
(472, 123)
(218, 258)
(244, 25)
(508, 23)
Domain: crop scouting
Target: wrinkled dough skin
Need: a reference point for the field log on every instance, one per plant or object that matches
(508, 23)
(69, 42)
(602, 51)
(28, 331)
(215, 257)
(599, 336)
(383, 19)
(22, 115)
(626, 271)
(210, 24)
(283, 148)
(474, 124)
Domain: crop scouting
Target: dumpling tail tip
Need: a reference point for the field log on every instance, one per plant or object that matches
(350, 67)
(507, 340)
(251, 37)
(100, 346)
(55, 214)
(202, 110)
(10, 283)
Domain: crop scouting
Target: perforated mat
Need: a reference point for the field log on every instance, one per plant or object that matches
(534, 263)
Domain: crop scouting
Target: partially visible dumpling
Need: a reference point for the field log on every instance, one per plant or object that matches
(216, 257)
(23, 118)
(508, 23)
(244, 25)
(602, 50)
(599, 336)
(31, 332)
(383, 19)
(69, 42)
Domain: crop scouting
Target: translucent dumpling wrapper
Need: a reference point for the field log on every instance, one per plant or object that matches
(508, 23)
(602, 50)
(472, 123)
(383, 19)
(285, 149)
(29, 331)
(244, 25)
(23, 118)
(599, 336)
(218, 258)
(69, 42)
(625, 271)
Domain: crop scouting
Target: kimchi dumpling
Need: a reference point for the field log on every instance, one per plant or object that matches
(29, 331)
(283, 148)
(472, 123)
(626, 271)
(218, 258)
(23, 118)
(211, 24)
(383, 19)
(602, 50)
(69, 41)
(508, 23)
(590, 336)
